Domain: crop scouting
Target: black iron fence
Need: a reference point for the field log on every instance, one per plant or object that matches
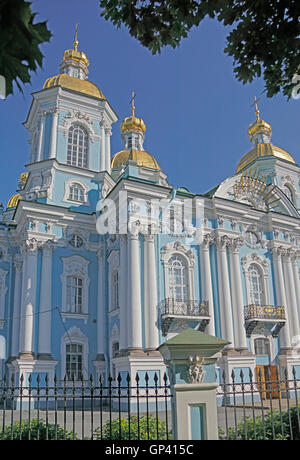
(131, 409)
(265, 407)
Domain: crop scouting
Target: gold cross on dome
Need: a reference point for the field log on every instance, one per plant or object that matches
(76, 38)
(255, 103)
(132, 103)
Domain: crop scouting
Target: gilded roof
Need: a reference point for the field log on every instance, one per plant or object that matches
(74, 84)
(263, 150)
(14, 200)
(141, 157)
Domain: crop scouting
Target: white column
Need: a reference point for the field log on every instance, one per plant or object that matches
(123, 293)
(15, 335)
(54, 133)
(151, 310)
(237, 296)
(134, 291)
(224, 293)
(285, 341)
(41, 137)
(102, 147)
(107, 151)
(207, 282)
(45, 314)
(297, 289)
(28, 300)
(290, 294)
(100, 306)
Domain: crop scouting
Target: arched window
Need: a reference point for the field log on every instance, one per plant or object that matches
(76, 193)
(178, 278)
(256, 285)
(288, 192)
(78, 146)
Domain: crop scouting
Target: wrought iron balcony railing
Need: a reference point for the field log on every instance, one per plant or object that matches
(172, 307)
(254, 314)
(264, 312)
(173, 311)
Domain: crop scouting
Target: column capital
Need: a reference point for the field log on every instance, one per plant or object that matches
(18, 262)
(235, 244)
(48, 247)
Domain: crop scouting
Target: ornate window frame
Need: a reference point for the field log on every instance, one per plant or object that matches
(68, 185)
(290, 182)
(263, 266)
(75, 266)
(178, 248)
(74, 336)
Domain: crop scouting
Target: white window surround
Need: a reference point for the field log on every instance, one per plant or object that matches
(173, 249)
(68, 185)
(266, 336)
(76, 266)
(262, 265)
(74, 336)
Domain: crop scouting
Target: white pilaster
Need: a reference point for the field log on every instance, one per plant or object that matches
(41, 137)
(207, 282)
(54, 133)
(237, 296)
(285, 340)
(123, 293)
(297, 290)
(224, 292)
(107, 150)
(15, 335)
(100, 306)
(134, 291)
(45, 314)
(28, 300)
(102, 147)
(290, 293)
(151, 310)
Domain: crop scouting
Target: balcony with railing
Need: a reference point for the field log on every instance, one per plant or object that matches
(172, 310)
(272, 314)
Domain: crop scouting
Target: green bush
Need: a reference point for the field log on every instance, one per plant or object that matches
(147, 428)
(273, 426)
(35, 430)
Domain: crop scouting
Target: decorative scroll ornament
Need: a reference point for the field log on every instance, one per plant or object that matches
(196, 372)
(255, 190)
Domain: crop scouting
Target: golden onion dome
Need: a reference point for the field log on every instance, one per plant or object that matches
(140, 157)
(14, 201)
(77, 56)
(259, 126)
(74, 84)
(263, 150)
(133, 123)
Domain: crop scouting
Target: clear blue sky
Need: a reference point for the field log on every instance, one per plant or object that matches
(197, 113)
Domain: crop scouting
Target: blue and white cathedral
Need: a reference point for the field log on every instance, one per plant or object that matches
(76, 301)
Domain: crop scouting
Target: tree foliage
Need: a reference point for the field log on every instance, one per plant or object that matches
(264, 37)
(20, 38)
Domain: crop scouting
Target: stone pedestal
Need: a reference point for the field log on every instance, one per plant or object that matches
(190, 358)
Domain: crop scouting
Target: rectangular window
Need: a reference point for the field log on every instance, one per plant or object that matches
(74, 294)
(74, 361)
